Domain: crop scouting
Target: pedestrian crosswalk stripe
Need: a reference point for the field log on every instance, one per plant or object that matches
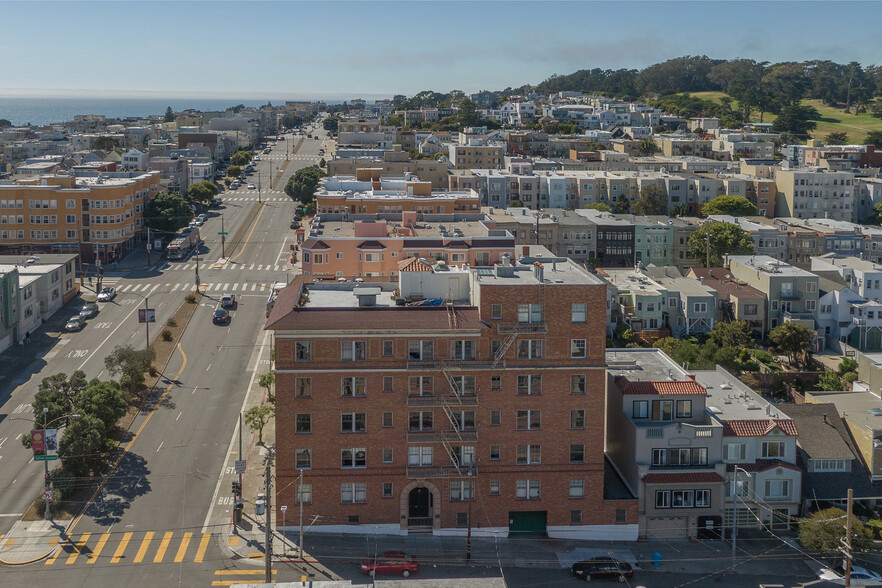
(163, 545)
(182, 548)
(226, 287)
(145, 545)
(175, 288)
(93, 557)
(77, 548)
(121, 548)
(203, 545)
(235, 287)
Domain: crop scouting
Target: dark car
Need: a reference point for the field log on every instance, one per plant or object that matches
(89, 310)
(602, 567)
(390, 563)
(220, 316)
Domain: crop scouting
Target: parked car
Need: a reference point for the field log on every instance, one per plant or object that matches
(859, 576)
(295, 224)
(76, 323)
(107, 294)
(252, 186)
(602, 567)
(89, 310)
(215, 202)
(220, 317)
(391, 562)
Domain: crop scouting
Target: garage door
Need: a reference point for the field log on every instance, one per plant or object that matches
(667, 528)
(527, 522)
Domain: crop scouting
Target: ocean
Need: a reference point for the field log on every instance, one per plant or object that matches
(43, 111)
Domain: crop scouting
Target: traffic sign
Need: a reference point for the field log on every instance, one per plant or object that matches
(46, 495)
(45, 457)
(223, 233)
(240, 466)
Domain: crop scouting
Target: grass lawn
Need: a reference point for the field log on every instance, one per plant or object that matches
(832, 119)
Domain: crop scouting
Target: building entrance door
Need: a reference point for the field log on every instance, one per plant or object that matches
(419, 508)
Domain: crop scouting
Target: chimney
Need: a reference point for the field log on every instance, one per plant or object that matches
(701, 279)
(538, 271)
(710, 273)
(825, 419)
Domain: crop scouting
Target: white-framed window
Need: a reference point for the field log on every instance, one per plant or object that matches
(774, 448)
(462, 491)
(529, 385)
(419, 456)
(659, 457)
(662, 499)
(702, 498)
(700, 307)
(577, 418)
(682, 498)
(421, 350)
(577, 488)
(662, 410)
(530, 313)
(353, 493)
(777, 489)
(302, 351)
(684, 409)
(496, 311)
(528, 490)
(529, 420)
(734, 451)
(462, 350)
(303, 494)
(529, 454)
(353, 350)
(302, 459)
(640, 409)
(579, 312)
(354, 386)
(829, 465)
(577, 384)
(420, 386)
(303, 423)
(353, 422)
(578, 348)
(530, 349)
(353, 457)
(421, 420)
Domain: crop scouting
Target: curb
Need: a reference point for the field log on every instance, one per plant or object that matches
(3, 562)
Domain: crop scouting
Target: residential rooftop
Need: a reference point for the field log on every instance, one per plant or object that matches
(644, 365)
(769, 265)
(863, 409)
(730, 399)
(535, 269)
(445, 230)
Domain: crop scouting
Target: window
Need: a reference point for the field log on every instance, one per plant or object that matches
(462, 350)
(734, 451)
(528, 490)
(699, 456)
(351, 387)
(303, 423)
(387, 419)
(530, 313)
(659, 457)
(684, 409)
(702, 498)
(353, 457)
(530, 385)
(750, 309)
(421, 421)
(494, 453)
(388, 383)
(640, 409)
(662, 410)
(529, 420)
(662, 499)
(464, 420)
(419, 456)
(495, 417)
(621, 516)
(302, 459)
(496, 311)
(700, 307)
(353, 493)
(302, 351)
(575, 517)
(387, 489)
(352, 422)
(680, 456)
(494, 487)
(495, 346)
(302, 387)
(496, 382)
(682, 498)
(777, 489)
(387, 455)
(577, 419)
(577, 488)
(420, 350)
(579, 312)
(462, 385)
(773, 449)
(577, 348)
(530, 349)
(462, 519)
(388, 348)
(420, 386)
(303, 494)
(529, 454)
(828, 465)
(461, 491)
(577, 384)
(577, 453)
(352, 350)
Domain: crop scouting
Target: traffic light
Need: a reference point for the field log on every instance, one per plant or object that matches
(46, 480)
(223, 239)
(237, 488)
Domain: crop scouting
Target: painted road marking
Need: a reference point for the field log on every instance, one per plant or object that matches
(93, 557)
(76, 548)
(145, 545)
(203, 545)
(182, 549)
(121, 548)
(163, 545)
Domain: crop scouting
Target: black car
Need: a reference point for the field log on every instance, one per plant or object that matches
(602, 567)
(220, 317)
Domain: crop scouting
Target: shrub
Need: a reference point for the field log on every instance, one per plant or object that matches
(190, 298)
(849, 377)
(62, 481)
(171, 322)
(54, 503)
(763, 356)
(875, 525)
(166, 335)
(152, 371)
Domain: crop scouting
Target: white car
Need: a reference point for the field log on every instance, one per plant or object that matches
(859, 576)
(107, 294)
(251, 186)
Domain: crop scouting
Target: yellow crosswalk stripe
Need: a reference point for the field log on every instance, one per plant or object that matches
(77, 547)
(182, 548)
(163, 545)
(121, 548)
(145, 544)
(55, 555)
(203, 545)
(9, 542)
(93, 557)
(241, 572)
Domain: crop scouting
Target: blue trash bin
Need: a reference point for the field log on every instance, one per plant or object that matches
(656, 559)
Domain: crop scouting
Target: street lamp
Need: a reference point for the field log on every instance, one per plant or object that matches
(735, 504)
(284, 509)
(47, 494)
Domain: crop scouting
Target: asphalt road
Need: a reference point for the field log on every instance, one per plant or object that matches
(157, 501)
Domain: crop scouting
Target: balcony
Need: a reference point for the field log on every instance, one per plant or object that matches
(449, 364)
(441, 436)
(672, 429)
(537, 328)
(420, 401)
(449, 471)
(790, 295)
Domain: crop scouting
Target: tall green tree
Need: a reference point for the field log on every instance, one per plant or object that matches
(130, 364)
(257, 418)
(84, 445)
(792, 339)
(733, 333)
(241, 157)
(291, 121)
(824, 530)
(5, 122)
(874, 138)
(58, 394)
(601, 206)
(169, 114)
(331, 123)
(725, 239)
(647, 147)
(797, 119)
(729, 204)
(104, 401)
(202, 192)
(652, 200)
(303, 184)
(105, 143)
(233, 171)
(266, 382)
(168, 213)
(836, 138)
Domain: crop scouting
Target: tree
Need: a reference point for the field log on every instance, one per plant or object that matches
(323, 163)
(257, 417)
(104, 401)
(729, 204)
(725, 239)
(824, 530)
(601, 206)
(168, 213)
(83, 445)
(241, 157)
(874, 138)
(233, 171)
(733, 333)
(677, 211)
(792, 339)
(647, 147)
(202, 192)
(797, 119)
(105, 143)
(130, 363)
(291, 121)
(266, 382)
(5, 122)
(621, 205)
(830, 382)
(652, 200)
(836, 138)
(331, 123)
(169, 114)
(303, 184)
(58, 394)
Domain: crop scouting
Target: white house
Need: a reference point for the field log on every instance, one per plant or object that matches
(134, 159)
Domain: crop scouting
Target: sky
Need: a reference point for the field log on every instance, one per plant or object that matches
(370, 49)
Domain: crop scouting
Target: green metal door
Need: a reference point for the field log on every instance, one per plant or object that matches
(528, 522)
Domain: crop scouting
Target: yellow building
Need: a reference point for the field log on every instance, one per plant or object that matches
(93, 213)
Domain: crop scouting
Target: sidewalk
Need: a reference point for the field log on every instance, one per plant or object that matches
(31, 541)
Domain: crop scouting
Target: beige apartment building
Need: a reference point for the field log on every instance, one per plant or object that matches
(815, 193)
(477, 156)
(395, 163)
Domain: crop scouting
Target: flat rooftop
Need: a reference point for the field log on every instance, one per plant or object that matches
(555, 271)
(849, 262)
(632, 281)
(346, 295)
(769, 265)
(860, 408)
(644, 365)
(442, 230)
(730, 399)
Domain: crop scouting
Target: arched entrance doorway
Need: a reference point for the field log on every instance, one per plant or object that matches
(419, 508)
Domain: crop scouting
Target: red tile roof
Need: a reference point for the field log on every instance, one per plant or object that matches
(684, 478)
(758, 427)
(761, 465)
(665, 387)
(413, 264)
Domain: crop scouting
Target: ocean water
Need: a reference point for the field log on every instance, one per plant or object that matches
(42, 111)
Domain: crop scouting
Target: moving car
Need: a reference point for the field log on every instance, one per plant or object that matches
(391, 562)
(227, 300)
(234, 186)
(107, 294)
(76, 323)
(602, 567)
(251, 186)
(220, 317)
(859, 576)
(89, 310)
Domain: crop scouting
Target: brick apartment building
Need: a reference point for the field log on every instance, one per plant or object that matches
(490, 391)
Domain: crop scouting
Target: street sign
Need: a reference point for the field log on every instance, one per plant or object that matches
(45, 457)
(240, 466)
(223, 233)
(146, 315)
(46, 495)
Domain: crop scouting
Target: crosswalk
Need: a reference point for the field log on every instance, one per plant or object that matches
(171, 288)
(254, 199)
(130, 547)
(191, 266)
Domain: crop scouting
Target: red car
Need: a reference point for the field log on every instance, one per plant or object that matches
(391, 562)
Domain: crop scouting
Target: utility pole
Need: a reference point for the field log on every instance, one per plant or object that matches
(708, 242)
(47, 489)
(300, 500)
(268, 537)
(848, 539)
(147, 322)
(148, 246)
(223, 238)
